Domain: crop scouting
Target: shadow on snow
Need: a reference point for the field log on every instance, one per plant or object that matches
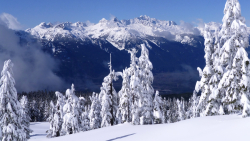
(121, 137)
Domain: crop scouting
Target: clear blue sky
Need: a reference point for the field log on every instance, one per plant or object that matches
(32, 12)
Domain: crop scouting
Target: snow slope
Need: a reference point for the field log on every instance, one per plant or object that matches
(215, 128)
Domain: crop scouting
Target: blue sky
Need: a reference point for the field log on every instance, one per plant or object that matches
(32, 12)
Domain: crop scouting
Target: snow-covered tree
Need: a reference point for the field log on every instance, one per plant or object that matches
(106, 110)
(51, 111)
(203, 84)
(25, 116)
(34, 111)
(234, 85)
(46, 110)
(135, 114)
(164, 110)
(85, 120)
(10, 109)
(146, 79)
(108, 91)
(135, 87)
(193, 101)
(71, 118)
(57, 120)
(125, 98)
(158, 109)
(95, 112)
(181, 111)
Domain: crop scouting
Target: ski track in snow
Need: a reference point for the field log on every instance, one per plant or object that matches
(215, 128)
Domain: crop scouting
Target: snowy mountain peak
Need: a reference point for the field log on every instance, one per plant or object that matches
(44, 25)
(117, 32)
(103, 20)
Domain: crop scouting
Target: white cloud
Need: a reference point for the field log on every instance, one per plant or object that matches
(10, 21)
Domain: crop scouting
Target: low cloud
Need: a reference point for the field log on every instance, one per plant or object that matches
(33, 69)
(10, 21)
(188, 27)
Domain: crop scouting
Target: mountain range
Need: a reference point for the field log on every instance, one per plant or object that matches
(82, 50)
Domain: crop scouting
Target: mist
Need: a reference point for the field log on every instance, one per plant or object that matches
(33, 69)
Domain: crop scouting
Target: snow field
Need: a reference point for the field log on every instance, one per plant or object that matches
(211, 128)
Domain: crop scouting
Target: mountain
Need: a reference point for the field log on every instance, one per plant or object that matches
(82, 50)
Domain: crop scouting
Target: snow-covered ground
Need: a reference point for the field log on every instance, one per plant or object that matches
(216, 128)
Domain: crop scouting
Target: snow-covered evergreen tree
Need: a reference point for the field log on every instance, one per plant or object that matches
(158, 109)
(125, 98)
(95, 112)
(203, 85)
(85, 119)
(165, 111)
(46, 110)
(56, 120)
(108, 91)
(71, 118)
(106, 110)
(181, 112)
(34, 111)
(25, 116)
(192, 112)
(147, 91)
(10, 109)
(135, 87)
(135, 114)
(51, 111)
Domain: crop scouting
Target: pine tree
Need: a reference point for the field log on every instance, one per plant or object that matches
(234, 84)
(51, 111)
(34, 111)
(57, 119)
(135, 87)
(203, 85)
(125, 98)
(147, 91)
(10, 109)
(158, 109)
(85, 120)
(135, 114)
(192, 112)
(106, 110)
(95, 112)
(25, 116)
(165, 111)
(71, 118)
(180, 111)
(110, 96)
(46, 110)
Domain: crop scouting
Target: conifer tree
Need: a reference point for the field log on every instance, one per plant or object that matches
(95, 112)
(203, 85)
(10, 109)
(46, 110)
(125, 98)
(56, 120)
(135, 87)
(85, 120)
(192, 112)
(108, 92)
(106, 110)
(158, 109)
(51, 111)
(135, 114)
(25, 116)
(147, 91)
(71, 118)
